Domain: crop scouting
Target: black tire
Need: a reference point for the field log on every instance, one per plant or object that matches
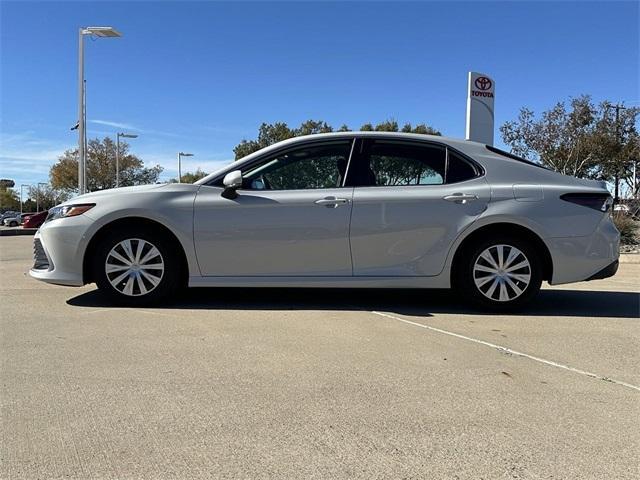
(13, 224)
(170, 279)
(475, 286)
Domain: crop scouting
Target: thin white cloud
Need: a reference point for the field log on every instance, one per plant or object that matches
(127, 126)
(108, 123)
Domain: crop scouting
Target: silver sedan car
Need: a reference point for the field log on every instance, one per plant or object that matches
(353, 209)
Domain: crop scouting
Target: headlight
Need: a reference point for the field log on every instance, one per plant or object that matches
(69, 210)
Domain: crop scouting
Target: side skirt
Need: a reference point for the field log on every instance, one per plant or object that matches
(439, 281)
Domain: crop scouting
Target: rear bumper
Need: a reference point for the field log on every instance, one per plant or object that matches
(577, 259)
(608, 271)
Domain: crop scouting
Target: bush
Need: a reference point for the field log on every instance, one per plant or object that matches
(627, 227)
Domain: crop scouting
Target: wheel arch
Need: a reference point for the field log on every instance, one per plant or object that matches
(502, 228)
(131, 223)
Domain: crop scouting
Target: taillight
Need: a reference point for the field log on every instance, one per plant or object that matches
(597, 201)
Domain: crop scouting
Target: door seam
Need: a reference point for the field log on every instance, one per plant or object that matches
(353, 205)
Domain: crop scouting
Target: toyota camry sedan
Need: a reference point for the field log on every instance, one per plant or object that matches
(353, 209)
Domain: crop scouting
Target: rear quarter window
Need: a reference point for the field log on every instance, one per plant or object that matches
(459, 169)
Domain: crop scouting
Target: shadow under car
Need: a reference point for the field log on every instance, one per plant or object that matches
(410, 302)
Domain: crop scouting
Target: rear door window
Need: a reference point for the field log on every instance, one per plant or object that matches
(390, 163)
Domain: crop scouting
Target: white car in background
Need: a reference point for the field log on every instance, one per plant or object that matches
(8, 214)
(12, 221)
(352, 209)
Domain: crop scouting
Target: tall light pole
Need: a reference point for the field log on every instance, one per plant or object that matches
(38, 195)
(180, 155)
(21, 202)
(118, 135)
(619, 135)
(98, 32)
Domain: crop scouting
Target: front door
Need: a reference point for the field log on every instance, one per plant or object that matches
(290, 218)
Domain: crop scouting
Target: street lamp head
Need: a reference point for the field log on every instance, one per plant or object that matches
(186, 154)
(101, 32)
(127, 135)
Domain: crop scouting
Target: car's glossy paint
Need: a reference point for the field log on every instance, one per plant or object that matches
(379, 237)
(270, 232)
(408, 231)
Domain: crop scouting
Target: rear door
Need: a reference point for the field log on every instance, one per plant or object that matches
(410, 202)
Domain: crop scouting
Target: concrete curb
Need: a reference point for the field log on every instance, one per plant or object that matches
(18, 231)
(630, 258)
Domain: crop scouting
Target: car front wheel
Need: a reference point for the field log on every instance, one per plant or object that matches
(501, 274)
(136, 269)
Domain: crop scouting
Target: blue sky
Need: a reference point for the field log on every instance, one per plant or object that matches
(201, 76)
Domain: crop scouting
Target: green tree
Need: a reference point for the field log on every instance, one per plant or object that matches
(101, 168)
(191, 177)
(420, 128)
(44, 197)
(270, 133)
(583, 139)
(9, 199)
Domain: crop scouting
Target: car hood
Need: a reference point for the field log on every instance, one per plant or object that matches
(95, 196)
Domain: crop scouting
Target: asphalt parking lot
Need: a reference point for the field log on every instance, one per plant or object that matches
(317, 384)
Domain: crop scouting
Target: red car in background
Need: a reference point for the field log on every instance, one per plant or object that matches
(35, 220)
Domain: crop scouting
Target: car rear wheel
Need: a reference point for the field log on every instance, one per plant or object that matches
(137, 268)
(500, 273)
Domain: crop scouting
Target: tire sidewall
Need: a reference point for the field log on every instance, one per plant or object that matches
(170, 278)
(465, 278)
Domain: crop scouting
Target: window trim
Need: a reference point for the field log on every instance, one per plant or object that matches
(355, 158)
(216, 182)
(480, 171)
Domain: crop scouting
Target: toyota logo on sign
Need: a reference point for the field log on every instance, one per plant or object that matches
(483, 83)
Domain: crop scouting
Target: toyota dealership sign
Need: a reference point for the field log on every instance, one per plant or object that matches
(480, 99)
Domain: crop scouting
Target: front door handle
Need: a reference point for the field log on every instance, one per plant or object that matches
(460, 198)
(332, 202)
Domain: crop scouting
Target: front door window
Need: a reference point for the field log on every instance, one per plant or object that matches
(307, 168)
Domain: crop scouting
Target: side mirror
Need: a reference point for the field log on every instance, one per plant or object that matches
(232, 181)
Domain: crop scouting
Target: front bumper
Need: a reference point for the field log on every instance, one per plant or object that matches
(59, 247)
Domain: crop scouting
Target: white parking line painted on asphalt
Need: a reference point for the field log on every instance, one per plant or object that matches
(510, 351)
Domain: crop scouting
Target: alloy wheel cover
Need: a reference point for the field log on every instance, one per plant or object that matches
(502, 273)
(134, 267)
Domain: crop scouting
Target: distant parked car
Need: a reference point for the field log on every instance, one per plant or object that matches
(17, 219)
(8, 214)
(12, 221)
(35, 220)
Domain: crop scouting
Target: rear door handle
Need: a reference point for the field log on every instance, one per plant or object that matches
(460, 198)
(332, 202)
